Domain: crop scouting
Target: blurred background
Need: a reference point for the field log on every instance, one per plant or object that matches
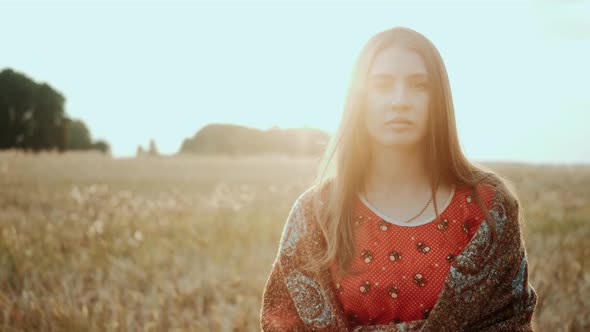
(151, 150)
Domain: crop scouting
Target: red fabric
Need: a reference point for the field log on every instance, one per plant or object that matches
(405, 266)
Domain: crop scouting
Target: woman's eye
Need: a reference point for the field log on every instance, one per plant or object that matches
(387, 86)
(382, 86)
(421, 85)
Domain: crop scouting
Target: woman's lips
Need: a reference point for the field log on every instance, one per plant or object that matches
(398, 125)
(399, 120)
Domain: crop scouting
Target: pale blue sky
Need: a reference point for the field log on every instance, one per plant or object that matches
(135, 70)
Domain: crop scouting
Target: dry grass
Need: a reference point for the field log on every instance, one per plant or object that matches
(88, 243)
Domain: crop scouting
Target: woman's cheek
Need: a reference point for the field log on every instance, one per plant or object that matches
(424, 124)
(372, 117)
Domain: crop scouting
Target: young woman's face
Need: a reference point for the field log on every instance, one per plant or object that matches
(398, 88)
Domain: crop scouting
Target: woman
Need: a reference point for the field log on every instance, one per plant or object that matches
(400, 232)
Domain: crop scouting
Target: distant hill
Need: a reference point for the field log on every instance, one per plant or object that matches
(240, 140)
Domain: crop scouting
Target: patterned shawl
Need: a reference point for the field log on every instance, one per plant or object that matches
(486, 289)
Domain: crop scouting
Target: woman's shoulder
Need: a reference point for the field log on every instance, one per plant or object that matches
(489, 191)
(497, 193)
(314, 192)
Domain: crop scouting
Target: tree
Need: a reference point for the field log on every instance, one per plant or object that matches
(78, 136)
(17, 94)
(48, 119)
(153, 150)
(32, 117)
(101, 146)
(140, 151)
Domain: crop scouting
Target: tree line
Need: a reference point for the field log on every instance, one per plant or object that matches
(220, 138)
(32, 118)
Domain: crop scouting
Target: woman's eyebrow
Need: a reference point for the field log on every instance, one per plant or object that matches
(419, 75)
(389, 76)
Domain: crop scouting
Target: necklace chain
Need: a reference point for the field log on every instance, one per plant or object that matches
(421, 211)
(424, 208)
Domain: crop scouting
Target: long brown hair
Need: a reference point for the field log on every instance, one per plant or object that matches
(343, 167)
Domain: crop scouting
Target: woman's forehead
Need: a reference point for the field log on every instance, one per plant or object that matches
(393, 62)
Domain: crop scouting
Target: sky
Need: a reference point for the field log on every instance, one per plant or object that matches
(140, 70)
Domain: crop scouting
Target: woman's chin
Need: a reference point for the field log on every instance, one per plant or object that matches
(397, 142)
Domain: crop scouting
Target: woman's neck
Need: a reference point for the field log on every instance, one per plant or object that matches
(397, 171)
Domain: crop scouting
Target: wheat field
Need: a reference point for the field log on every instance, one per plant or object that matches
(91, 243)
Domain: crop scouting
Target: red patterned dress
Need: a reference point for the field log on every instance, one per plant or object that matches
(405, 265)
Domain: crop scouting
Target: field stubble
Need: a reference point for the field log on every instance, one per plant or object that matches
(90, 243)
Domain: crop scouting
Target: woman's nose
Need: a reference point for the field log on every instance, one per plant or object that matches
(399, 96)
